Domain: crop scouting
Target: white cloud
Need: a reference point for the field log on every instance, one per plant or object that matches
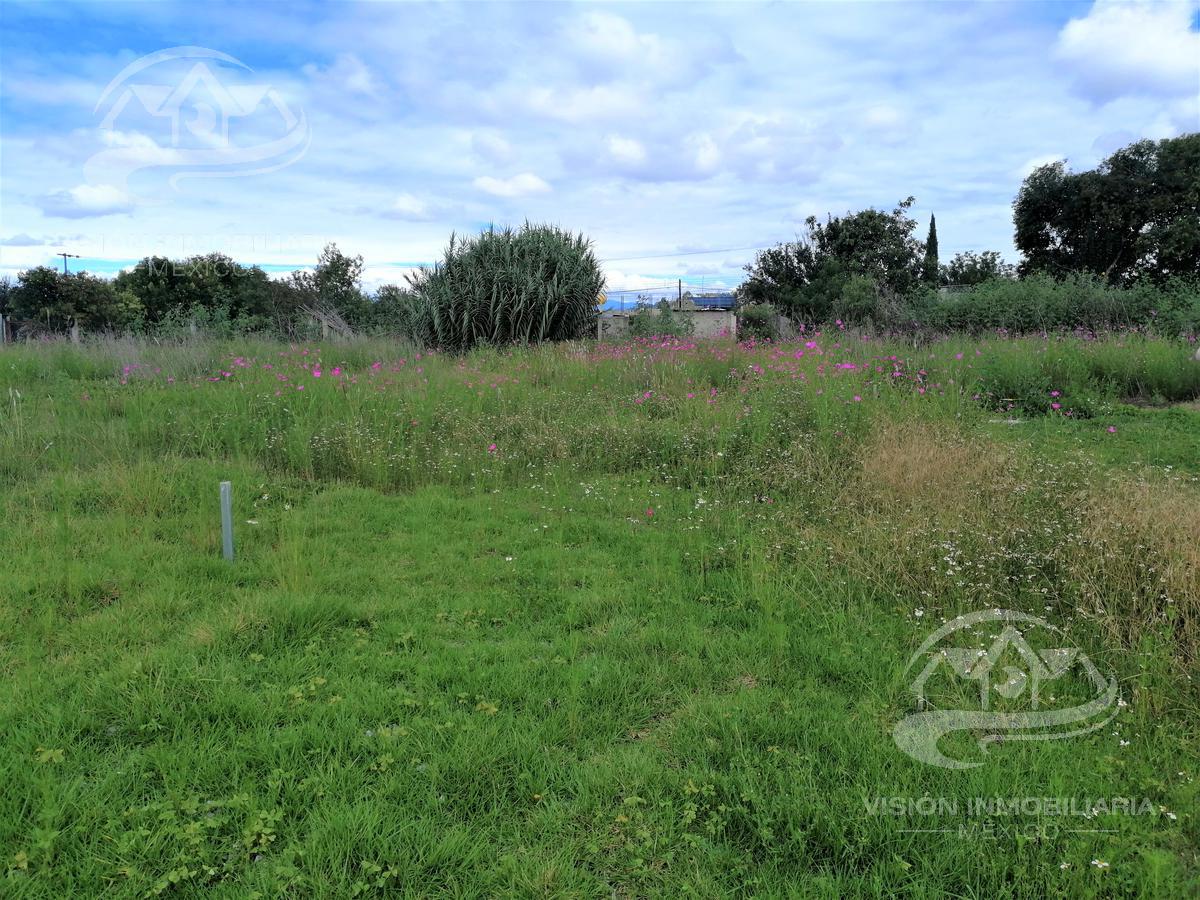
(1122, 48)
(348, 73)
(705, 154)
(604, 37)
(887, 124)
(516, 186)
(614, 48)
(411, 207)
(1037, 162)
(87, 200)
(584, 104)
(657, 130)
(491, 146)
(626, 151)
(22, 240)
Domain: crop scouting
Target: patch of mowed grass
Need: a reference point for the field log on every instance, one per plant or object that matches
(1166, 438)
(585, 628)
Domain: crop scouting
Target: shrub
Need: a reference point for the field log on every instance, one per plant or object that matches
(1086, 380)
(857, 301)
(863, 300)
(758, 321)
(1040, 303)
(661, 322)
(539, 283)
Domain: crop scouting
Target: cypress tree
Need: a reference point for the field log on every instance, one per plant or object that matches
(931, 253)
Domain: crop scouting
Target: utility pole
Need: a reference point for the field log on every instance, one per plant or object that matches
(679, 303)
(64, 256)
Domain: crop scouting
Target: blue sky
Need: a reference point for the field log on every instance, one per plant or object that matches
(678, 137)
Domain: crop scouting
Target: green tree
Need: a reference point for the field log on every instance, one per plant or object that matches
(389, 308)
(212, 282)
(805, 278)
(930, 269)
(6, 290)
(970, 268)
(152, 281)
(46, 298)
(1137, 214)
(38, 299)
(335, 283)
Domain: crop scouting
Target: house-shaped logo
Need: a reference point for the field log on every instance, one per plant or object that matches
(215, 122)
(1011, 667)
(1010, 682)
(200, 90)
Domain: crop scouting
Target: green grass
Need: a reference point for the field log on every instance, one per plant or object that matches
(647, 646)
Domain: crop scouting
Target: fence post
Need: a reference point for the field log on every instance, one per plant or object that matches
(227, 520)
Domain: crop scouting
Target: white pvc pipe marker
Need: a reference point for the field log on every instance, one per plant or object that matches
(227, 520)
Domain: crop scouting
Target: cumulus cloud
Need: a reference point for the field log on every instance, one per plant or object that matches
(584, 103)
(87, 200)
(491, 146)
(1122, 48)
(625, 150)
(704, 154)
(1026, 168)
(516, 186)
(347, 73)
(410, 207)
(775, 147)
(611, 46)
(887, 125)
(657, 130)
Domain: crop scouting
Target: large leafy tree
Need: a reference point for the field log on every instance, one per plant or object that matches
(7, 287)
(335, 283)
(1137, 214)
(164, 287)
(806, 278)
(46, 298)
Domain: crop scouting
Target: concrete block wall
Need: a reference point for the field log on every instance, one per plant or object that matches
(708, 323)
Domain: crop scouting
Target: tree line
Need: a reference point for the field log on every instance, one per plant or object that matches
(209, 292)
(1132, 221)
(1117, 245)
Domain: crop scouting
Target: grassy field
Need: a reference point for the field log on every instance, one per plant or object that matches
(586, 621)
